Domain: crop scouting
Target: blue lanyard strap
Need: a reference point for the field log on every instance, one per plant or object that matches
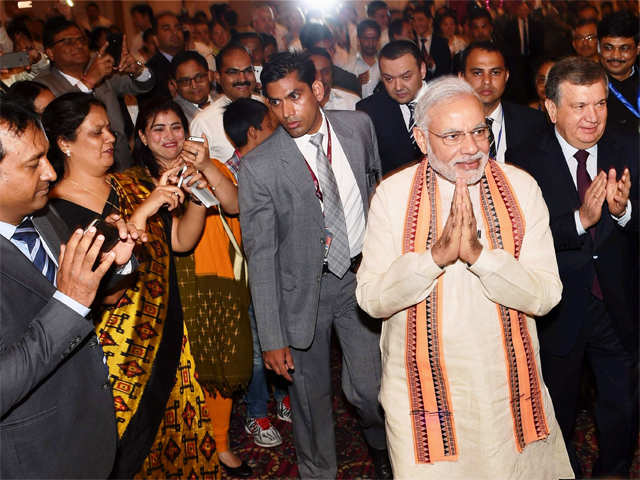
(626, 102)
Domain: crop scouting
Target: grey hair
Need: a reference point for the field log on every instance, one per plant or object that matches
(438, 90)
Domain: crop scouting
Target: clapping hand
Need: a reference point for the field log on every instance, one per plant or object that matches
(617, 192)
(591, 208)
(129, 234)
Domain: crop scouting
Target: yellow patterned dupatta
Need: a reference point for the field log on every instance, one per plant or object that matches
(163, 425)
(432, 419)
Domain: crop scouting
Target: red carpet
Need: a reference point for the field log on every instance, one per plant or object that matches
(353, 459)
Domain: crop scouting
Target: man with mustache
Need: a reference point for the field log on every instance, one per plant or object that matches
(304, 195)
(236, 78)
(458, 259)
(619, 48)
(588, 177)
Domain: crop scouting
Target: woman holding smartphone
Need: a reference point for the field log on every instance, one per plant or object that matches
(142, 334)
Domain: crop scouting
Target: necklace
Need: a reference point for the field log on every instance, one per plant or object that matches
(115, 207)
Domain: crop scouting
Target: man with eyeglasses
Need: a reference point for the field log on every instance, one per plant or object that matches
(458, 259)
(236, 78)
(585, 39)
(618, 50)
(73, 69)
(190, 79)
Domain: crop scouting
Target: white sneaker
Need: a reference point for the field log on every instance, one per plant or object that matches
(283, 410)
(264, 434)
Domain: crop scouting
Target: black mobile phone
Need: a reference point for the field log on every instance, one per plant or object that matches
(111, 235)
(14, 60)
(115, 47)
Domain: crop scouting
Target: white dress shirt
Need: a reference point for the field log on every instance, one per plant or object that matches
(7, 230)
(347, 186)
(358, 66)
(592, 169)
(209, 122)
(341, 100)
(499, 130)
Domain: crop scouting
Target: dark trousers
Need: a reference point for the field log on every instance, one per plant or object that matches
(310, 392)
(599, 346)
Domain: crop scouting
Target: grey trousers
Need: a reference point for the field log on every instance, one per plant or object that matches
(310, 392)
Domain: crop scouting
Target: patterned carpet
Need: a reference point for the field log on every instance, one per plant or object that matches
(353, 459)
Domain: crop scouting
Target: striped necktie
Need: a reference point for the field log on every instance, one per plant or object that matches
(26, 233)
(412, 121)
(492, 139)
(338, 258)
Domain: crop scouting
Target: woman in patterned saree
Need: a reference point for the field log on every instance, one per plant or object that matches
(163, 429)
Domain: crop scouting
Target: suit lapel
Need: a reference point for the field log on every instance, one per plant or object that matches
(297, 173)
(21, 269)
(560, 170)
(349, 146)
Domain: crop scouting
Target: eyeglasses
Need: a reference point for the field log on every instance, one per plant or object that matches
(585, 38)
(80, 41)
(455, 138)
(198, 78)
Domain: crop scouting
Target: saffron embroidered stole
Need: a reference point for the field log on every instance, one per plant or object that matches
(429, 397)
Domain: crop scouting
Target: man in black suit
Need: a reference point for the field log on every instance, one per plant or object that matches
(56, 407)
(168, 32)
(511, 124)
(391, 109)
(434, 49)
(586, 176)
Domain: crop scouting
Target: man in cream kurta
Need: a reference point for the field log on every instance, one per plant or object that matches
(474, 279)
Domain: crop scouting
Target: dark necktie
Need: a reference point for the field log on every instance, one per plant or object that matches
(338, 258)
(584, 180)
(412, 121)
(492, 139)
(37, 254)
(423, 48)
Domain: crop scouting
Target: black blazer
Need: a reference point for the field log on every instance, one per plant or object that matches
(614, 255)
(57, 418)
(394, 144)
(441, 55)
(522, 124)
(346, 81)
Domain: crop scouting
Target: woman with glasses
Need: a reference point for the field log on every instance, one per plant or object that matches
(162, 426)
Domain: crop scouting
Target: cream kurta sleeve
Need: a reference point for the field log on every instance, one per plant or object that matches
(531, 284)
(389, 281)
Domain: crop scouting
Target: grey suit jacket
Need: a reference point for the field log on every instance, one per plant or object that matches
(56, 407)
(107, 92)
(283, 227)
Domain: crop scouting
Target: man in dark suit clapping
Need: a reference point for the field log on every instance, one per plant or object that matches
(56, 408)
(588, 177)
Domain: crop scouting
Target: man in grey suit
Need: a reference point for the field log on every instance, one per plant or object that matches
(72, 70)
(304, 195)
(56, 407)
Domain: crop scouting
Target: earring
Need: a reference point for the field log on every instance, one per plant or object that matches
(68, 153)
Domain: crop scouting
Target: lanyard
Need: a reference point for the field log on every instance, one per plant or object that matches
(626, 102)
(500, 133)
(316, 183)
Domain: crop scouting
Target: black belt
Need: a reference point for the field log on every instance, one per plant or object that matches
(355, 264)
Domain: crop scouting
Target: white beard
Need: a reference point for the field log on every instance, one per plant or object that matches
(449, 171)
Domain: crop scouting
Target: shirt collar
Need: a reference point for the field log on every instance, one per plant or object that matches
(304, 139)
(569, 150)
(496, 115)
(166, 55)
(7, 230)
(75, 82)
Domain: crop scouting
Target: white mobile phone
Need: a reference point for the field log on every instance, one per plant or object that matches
(181, 175)
(196, 139)
(203, 194)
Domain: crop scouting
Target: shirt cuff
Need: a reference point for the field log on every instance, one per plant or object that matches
(144, 76)
(624, 219)
(125, 269)
(71, 303)
(579, 228)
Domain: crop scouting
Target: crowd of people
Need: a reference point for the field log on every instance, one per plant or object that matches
(191, 214)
